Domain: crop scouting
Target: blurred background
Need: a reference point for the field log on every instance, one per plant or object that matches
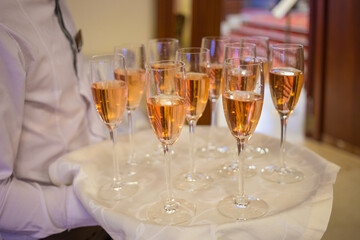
(329, 106)
(327, 116)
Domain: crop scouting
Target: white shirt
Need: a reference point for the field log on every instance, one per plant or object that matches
(43, 109)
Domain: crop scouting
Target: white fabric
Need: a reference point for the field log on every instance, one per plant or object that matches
(44, 109)
(296, 211)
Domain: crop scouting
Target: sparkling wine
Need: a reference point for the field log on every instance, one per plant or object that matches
(285, 86)
(265, 62)
(242, 80)
(197, 94)
(167, 116)
(110, 99)
(136, 82)
(242, 111)
(164, 79)
(216, 80)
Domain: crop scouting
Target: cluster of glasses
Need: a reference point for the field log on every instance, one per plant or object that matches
(178, 84)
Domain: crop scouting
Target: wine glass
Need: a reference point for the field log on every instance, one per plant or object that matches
(160, 49)
(216, 45)
(239, 50)
(166, 105)
(109, 95)
(134, 54)
(197, 61)
(285, 81)
(247, 52)
(262, 50)
(262, 53)
(243, 95)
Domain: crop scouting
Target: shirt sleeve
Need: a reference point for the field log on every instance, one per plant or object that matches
(27, 208)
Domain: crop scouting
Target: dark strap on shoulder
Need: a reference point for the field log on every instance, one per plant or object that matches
(66, 32)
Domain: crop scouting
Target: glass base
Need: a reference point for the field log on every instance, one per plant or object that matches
(156, 156)
(282, 175)
(242, 208)
(231, 170)
(212, 151)
(128, 170)
(171, 212)
(252, 151)
(133, 168)
(193, 181)
(117, 191)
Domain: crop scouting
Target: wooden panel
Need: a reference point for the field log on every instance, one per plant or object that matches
(316, 69)
(231, 7)
(333, 103)
(341, 109)
(206, 18)
(165, 19)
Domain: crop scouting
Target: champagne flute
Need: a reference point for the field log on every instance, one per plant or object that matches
(216, 45)
(243, 95)
(166, 105)
(134, 54)
(262, 53)
(262, 50)
(285, 81)
(240, 50)
(197, 62)
(247, 53)
(160, 49)
(109, 95)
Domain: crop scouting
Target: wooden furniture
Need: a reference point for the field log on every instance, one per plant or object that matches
(334, 95)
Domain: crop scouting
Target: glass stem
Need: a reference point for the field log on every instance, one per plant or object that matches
(131, 138)
(167, 154)
(212, 126)
(240, 161)
(213, 112)
(192, 124)
(283, 120)
(117, 177)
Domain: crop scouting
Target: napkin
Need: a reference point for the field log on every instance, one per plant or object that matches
(296, 211)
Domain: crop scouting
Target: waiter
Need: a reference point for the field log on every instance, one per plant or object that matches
(44, 109)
